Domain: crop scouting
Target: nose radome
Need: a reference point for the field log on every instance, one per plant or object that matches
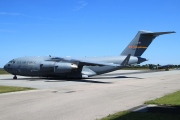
(5, 67)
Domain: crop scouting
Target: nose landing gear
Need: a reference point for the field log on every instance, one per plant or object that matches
(15, 77)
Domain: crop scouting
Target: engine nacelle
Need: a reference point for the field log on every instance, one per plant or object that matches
(61, 67)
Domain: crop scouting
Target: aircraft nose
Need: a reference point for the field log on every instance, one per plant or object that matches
(5, 67)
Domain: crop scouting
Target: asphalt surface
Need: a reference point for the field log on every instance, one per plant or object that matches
(86, 99)
(45, 83)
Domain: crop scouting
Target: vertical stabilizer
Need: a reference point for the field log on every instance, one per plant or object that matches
(141, 42)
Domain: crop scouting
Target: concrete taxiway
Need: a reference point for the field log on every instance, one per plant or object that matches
(84, 99)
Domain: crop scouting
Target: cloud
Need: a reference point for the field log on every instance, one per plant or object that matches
(27, 16)
(81, 4)
(13, 14)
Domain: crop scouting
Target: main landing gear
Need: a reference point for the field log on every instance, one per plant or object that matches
(15, 77)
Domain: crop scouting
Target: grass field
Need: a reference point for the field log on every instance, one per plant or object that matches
(171, 99)
(2, 71)
(6, 89)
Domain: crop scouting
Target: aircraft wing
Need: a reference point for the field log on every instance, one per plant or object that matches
(91, 63)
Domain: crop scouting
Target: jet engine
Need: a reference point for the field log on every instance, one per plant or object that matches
(61, 67)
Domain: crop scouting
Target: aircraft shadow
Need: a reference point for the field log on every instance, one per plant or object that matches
(113, 77)
(87, 80)
(76, 80)
(90, 80)
(56, 80)
(18, 79)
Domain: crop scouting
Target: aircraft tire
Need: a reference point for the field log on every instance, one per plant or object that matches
(15, 77)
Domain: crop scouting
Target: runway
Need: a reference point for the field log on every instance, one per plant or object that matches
(46, 83)
(86, 99)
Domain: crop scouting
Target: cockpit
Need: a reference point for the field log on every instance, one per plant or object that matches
(12, 61)
(9, 65)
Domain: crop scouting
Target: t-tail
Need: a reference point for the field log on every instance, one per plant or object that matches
(141, 42)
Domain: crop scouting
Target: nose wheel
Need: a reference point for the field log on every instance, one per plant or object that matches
(15, 77)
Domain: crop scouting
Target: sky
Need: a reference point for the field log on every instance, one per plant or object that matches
(79, 28)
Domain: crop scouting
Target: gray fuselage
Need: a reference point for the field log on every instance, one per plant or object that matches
(31, 66)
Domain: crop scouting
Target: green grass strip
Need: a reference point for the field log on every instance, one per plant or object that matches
(6, 89)
(170, 99)
(2, 71)
(116, 115)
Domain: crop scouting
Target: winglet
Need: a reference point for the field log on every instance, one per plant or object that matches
(126, 60)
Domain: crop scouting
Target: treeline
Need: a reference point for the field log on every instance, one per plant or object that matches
(147, 66)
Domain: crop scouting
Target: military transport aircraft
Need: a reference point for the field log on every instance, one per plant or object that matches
(157, 67)
(82, 67)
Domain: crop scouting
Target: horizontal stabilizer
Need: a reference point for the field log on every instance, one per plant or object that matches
(158, 33)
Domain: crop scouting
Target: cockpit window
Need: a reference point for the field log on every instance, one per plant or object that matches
(12, 61)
